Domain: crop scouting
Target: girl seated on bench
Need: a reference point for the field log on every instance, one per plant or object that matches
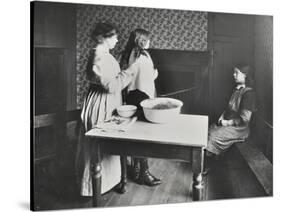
(233, 124)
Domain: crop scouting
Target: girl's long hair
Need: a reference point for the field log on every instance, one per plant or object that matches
(137, 42)
(247, 70)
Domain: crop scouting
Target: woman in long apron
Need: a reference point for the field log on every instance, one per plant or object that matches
(104, 96)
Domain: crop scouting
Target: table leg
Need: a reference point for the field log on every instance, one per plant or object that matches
(197, 168)
(96, 176)
(124, 174)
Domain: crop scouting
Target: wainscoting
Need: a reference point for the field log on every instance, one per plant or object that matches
(183, 75)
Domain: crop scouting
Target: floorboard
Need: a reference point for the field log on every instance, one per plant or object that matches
(229, 178)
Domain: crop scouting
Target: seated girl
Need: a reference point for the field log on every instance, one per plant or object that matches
(233, 124)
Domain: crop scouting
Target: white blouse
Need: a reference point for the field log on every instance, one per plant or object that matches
(144, 76)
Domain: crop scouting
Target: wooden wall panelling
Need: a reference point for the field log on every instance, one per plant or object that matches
(263, 57)
(54, 26)
(179, 71)
(230, 40)
(49, 80)
(53, 42)
(50, 129)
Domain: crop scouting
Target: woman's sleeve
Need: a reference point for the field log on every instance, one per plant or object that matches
(108, 80)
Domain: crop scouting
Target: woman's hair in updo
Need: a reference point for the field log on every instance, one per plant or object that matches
(102, 31)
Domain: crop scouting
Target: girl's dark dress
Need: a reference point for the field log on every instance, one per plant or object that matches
(222, 137)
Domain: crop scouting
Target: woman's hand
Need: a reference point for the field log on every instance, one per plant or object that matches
(131, 69)
(220, 119)
(155, 74)
(226, 123)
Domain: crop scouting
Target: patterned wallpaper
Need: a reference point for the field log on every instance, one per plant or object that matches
(170, 29)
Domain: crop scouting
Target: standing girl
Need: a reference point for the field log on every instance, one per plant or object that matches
(141, 87)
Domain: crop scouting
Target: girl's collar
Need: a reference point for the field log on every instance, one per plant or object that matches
(102, 48)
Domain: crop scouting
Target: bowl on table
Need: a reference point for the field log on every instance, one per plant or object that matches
(126, 111)
(161, 110)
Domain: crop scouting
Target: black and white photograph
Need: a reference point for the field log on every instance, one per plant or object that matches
(137, 106)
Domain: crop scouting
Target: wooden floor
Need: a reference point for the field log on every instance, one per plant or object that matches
(229, 178)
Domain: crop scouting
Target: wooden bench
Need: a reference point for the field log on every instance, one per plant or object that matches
(58, 122)
(258, 163)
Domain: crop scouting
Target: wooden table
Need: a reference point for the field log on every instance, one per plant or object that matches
(182, 139)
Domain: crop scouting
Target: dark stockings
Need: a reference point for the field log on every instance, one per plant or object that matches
(141, 173)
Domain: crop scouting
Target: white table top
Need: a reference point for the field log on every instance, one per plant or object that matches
(186, 130)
